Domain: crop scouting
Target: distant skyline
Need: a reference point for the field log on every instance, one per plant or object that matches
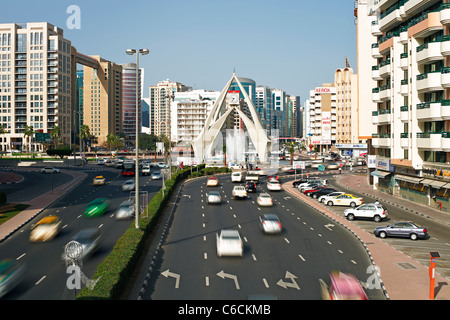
(293, 45)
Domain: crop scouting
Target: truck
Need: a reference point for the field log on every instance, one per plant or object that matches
(252, 176)
(239, 192)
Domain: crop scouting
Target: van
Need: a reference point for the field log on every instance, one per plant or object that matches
(236, 177)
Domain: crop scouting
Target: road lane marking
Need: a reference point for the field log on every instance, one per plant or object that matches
(301, 257)
(40, 280)
(207, 281)
(205, 256)
(254, 257)
(21, 256)
(265, 283)
(285, 239)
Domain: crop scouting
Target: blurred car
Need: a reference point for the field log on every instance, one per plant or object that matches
(332, 166)
(237, 176)
(325, 197)
(375, 211)
(213, 197)
(250, 186)
(323, 191)
(273, 179)
(345, 199)
(128, 185)
(229, 243)
(89, 239)
(145, 170)
(269, 223)
(96, 207)
(98, 181)
(50, 170)
(45, 229)
(273, 186)
(264, 199)
(11, 274)
(402, 229)
(125, 211)
(156, 175)
(343, 286)
(212, 182)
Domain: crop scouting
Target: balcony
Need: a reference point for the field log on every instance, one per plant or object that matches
(445, 13)
(413, 7)
(404, 114)
(381, 140)
(391, 17)
(385, 92)
(445, 77)
(445, 141)
(375, 117)
(430, 51)
(445, 109)
(428, 82)
(375, 29)
(429, 141)
(385, 68)
(404, 35)
(404, 61)
(404, 141)
(376, 95)
(404, 87)
(376, 73)
(384, 116)
(429, 111)
(376, 51)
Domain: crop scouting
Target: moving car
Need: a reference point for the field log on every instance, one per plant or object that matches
(269, 223)
(236, 176)
(156, 175)
(325, 197)
(98, 181)
(250, 187)
(402, 229)
(212, 182)
(264, 199)
(345, 199)
(323, 191)
(11, 274)
(50, 170)
(374, 211)
(45, 229)
(129, 185)
(273, 186)
(239, 192)
(229, 243)
(252, 176)
(213, 197)
(343, 286)
(125, 211)
(145, 170)
(96, 207)
(89, 239)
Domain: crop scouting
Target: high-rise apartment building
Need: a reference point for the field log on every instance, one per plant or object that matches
(129, 101)
(102, 99)
(161, 97)
(264, 106)
(410, 64)
(37, 69)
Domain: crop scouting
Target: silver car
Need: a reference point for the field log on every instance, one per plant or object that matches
(156, 175)
(213, 197)
(269, 223)
(125, 210)
(403, 230)
(89, 239)
(129, 185)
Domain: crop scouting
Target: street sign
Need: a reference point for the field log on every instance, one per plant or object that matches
(298, 164)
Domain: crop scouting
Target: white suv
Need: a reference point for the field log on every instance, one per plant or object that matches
(374, 211)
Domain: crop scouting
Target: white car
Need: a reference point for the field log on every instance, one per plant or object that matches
(374, 211)
(325, 197)
(50, 170)
(273, 186)
(213, 197)
(229, 243)
(237, 177)
(129, 185)
(239, 192)
(345, 200)
(304, 186)
(269, 223)
(265, 200)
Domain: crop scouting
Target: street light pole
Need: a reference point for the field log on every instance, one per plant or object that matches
(137, 210)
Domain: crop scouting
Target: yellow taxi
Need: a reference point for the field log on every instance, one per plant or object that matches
(99, 181)
(46, 229)
(345, 199)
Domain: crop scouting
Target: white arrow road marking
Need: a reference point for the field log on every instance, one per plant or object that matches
(292, 284)
(224, 275)
(187, 195)
(285, 198)
(167, 273)
(329, 226)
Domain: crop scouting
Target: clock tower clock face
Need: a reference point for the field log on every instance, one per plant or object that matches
(234, 98)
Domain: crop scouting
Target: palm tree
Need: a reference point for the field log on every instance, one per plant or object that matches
(55, 135)
(85, 133)
(28, 133)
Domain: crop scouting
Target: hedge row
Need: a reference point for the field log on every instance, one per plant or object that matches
(113, 273)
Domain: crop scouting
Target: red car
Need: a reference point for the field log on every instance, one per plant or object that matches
(313, 188)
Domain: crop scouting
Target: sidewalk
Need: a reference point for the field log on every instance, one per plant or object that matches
(38, 204)
(398, 283)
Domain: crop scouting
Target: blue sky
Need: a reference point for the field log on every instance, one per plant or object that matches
(294, 45)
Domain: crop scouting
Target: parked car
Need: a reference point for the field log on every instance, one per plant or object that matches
(46, 229)
(325, 197)
(304, 186)
(269, 223)
(296, 183)
(11, 274)
(250, 186)
(345, 199)
(125, 211)
(402, 229)
(96, 207)
(128, 185)
(213, 197)
(311, 188)
(212, 182)
(264, 199)
(90, 239)
(323, 191)
(98, 181)
(375, 211)
(273, 186)
(50, 170)
(229, 243)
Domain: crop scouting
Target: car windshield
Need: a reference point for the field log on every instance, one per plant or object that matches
(270, 218)
(214, 193)
(264, 195)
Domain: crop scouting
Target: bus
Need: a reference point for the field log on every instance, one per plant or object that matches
(128, 168)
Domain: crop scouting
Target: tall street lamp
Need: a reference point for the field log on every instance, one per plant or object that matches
(137, 210)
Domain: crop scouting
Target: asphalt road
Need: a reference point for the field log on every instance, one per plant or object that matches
(46, 275)
(285, 267)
